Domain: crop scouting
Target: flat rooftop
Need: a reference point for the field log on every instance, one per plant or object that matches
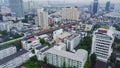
(5, 47)
(72, 36)
(108, 32)
(78, 56)
(64, 34)
(13, 56)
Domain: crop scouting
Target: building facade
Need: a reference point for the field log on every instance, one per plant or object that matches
(31, 43)
(95, 7)
(60, 57)
(42, 17)
(107, 8)
(15, 60)
(70, 13)
(72, 41)
(16, 7)
(57, 56)
(102, 43)
(7, 51)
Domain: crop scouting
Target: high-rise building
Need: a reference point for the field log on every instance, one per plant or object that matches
(70, 13)
(17, 8)
(107, 8)
(42, 17)
(102, 43)
(95, 7)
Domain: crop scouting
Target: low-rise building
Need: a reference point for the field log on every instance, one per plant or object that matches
(7, 51)
(57, 56)
(30, 43)
(60, 57)
(15, 59)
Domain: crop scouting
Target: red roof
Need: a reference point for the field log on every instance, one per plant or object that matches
(32, 39)
(102, 31)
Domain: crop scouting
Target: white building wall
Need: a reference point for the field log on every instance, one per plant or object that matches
(102, 46)
(7, 52)
(16, 61)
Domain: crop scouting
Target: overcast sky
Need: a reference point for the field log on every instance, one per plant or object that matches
(82, 1)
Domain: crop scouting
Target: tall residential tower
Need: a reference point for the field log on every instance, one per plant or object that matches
(16, 7)
(42, 17)
(102, 43)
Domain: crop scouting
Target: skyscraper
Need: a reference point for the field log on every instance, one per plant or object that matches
(42, 17)
(107, 8)
(17, 8)
(95, 7)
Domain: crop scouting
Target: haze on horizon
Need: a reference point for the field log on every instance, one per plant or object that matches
(76, 1)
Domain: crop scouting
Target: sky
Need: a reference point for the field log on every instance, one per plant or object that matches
(81, 1)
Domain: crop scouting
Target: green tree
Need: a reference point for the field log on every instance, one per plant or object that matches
(85, 43)
(47, 43)
(33, 51)
(18, 45)
(112, 60)
(93, 59)
(64, 65)
(45, 59)
(42, 41)
(117, 65)
(88, 63)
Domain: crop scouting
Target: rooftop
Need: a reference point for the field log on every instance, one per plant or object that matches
(108, 32)
(79, 55)
(72, 36)
(5, 47)
(64, 34)
(11, 57)
(32, 39)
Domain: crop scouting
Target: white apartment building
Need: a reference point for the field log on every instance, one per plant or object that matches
(15, 60)
(58, 57)
(42, 17)
(40, 52)
(70, 13)
(72, 41)
(102, 43)
(7, 51)
(31, 43)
